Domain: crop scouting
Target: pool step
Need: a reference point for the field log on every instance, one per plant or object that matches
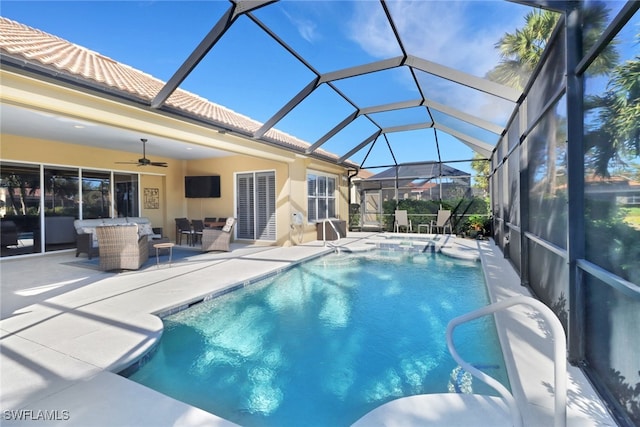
(408, 246)
(439, 409)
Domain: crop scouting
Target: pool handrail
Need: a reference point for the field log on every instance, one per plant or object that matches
(560, 360)
(324, 230)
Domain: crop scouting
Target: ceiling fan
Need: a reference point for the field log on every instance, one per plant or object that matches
(144, 161)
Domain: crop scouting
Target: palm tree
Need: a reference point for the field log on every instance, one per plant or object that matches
(615, 131)
(521, 51)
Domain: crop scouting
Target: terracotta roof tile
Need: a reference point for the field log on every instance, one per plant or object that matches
(20, 41)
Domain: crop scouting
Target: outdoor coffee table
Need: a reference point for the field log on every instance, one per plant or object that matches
(165, 245)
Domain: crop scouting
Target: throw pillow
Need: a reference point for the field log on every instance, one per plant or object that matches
(145, 229)
(228, 225)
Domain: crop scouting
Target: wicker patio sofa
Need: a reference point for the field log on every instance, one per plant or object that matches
(87, 240)
(218, 240)
(121, 247)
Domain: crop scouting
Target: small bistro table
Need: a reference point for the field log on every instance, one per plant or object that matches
(164, 245)
(427, 226)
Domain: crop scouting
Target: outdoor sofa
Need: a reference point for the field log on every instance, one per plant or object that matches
(87, 239)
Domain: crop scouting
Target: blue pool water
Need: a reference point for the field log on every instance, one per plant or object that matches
(325, 342)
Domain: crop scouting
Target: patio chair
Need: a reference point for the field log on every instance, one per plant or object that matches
(183, 228)
(443, 220)
(402, 220)
(218, 240)
(121, 247)
(197, 228)
(8, 233)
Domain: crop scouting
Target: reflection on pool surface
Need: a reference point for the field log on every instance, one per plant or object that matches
(327, 341)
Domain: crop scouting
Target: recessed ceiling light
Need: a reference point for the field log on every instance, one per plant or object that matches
(78, 126)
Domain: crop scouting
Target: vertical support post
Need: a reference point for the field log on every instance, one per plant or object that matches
(524, 198)
(575, 177)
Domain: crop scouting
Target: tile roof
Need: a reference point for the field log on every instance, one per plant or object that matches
(34, 46)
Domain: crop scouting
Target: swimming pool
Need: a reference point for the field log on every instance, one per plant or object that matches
(325, 342)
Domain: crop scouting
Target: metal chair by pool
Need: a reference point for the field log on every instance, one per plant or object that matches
(402, 220)
(442, 222)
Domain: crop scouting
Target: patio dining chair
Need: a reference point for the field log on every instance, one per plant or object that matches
(197, 228)
(183, 228)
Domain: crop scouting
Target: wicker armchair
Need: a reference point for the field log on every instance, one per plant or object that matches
(218, 240)
(121, 248)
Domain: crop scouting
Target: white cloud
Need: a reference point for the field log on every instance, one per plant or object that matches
(456, 34)
(369, 28)
(307, 29)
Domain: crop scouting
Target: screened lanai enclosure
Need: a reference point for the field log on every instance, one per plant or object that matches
(524, 112)
(546, 92)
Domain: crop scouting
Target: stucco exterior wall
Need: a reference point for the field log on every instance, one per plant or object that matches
(291, 190)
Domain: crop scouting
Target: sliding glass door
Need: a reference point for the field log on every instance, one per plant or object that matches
(39, 203)
(256, 205)
(19, 208)
(61, 207)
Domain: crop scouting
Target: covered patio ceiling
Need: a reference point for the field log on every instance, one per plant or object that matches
(377, 83)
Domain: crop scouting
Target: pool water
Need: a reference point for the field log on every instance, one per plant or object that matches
(327, 341)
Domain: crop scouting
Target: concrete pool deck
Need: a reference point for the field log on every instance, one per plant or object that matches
(66, 330)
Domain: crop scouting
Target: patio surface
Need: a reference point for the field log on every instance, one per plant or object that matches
(66, 330)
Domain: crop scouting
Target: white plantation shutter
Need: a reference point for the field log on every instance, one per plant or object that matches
(256, 206)
(331, 197)
(266, 206)
(245, 209)
(312, 208)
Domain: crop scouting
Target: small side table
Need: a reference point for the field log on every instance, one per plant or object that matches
(427, 226)
(165, 245)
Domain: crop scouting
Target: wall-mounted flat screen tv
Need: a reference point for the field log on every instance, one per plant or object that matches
(202, 186)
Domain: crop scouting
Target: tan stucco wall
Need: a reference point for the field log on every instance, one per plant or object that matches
(157, 216)
(291, 190)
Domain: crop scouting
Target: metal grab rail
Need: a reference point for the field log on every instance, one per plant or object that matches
(324, 231)
(559, 353)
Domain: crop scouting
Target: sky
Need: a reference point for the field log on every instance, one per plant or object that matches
(252, 75)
